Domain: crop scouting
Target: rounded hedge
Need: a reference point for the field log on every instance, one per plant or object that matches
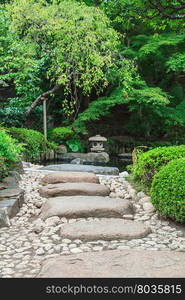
(60, 134)
(150, 162)
(168, 190)
(33, 141)
(9, 149)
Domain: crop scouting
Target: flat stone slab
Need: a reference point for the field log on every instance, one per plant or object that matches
(63, 177)
(116, 264)
(11, 201)
(104, 229)
(12, 206)
(73, 189)
(2, 186)
(85, 206)
(82, 168)
(6, 193)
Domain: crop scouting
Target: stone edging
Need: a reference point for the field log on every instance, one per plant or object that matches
(11, 198)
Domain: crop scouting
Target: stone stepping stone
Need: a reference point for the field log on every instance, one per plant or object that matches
(63, 177)
(116, 264)
(73, 189)
(85, 206)
(105, 229)
(7, 193)
(82, 168)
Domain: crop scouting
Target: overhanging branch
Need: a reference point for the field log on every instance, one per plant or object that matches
(42, 97)
(172, 12)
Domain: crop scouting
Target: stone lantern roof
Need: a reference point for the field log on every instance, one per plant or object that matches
(97, 138)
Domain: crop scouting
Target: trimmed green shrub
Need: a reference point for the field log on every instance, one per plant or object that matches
(3, 167)
(150, 162)
(65, 135)
(33, 141)
(60, 134)
(168, 190)
(9, 151)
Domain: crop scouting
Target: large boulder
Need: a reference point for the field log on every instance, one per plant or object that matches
(82, 168)
(61, 149)
(4, 217)
(8, 193)
(116, 264)
(97, 157)
(11, 201)
(105, 229)
(73, 189)
(85, 206)
(63, 177)
(91, 157)
(77, 161)
(2, 186)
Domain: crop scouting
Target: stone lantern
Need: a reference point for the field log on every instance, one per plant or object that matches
(97, 143)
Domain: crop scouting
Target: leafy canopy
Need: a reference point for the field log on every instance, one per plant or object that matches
(72, 44)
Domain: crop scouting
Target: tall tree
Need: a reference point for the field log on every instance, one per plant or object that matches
(76, 43)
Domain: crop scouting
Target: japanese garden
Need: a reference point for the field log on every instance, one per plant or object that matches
(92, 138)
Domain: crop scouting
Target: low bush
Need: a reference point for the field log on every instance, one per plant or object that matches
(75, 145)
(3, 167)
(34, 142)
(9, 151)
(150, 162)
(60, 135)
(168, 190)
(65, 135)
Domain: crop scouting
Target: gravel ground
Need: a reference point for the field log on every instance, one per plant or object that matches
(29, 241)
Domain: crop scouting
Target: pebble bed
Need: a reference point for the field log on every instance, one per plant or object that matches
(29, 241)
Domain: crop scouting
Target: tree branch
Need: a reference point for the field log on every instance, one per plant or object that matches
(169, 11)
(42, 97)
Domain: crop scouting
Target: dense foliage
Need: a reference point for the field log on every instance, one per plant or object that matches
(33, 141)
(150, 162)
(71, 49)
(10, 151)
(60, 135)
(156, 45)
(68, 137)
(168, 190)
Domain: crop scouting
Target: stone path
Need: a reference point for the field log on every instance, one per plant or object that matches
(82, 168)
(80, 207)
(85, 206)
(74, 189)
(63, 177)
(30, 241)
(104, 229)
(116, 263)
